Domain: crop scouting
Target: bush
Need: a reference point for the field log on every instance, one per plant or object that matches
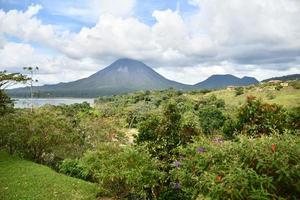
(211, 119)
(256, 118)
(6, 103)
(42, 136)
(278, 87)
(260, 168)
(74, 168)
(239, 91)
(293, 118)
(210, 101)
(122, 171)
(295, 84)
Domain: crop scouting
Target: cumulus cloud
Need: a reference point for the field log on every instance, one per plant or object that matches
(25, 26)
(15, 56)
(251, 32)
(243, 38)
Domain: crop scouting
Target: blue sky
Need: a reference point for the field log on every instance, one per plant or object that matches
(142, 10)
(184, 40)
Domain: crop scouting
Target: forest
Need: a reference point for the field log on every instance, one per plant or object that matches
(242, 143)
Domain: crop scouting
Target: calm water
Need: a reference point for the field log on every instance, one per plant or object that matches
(37, 102)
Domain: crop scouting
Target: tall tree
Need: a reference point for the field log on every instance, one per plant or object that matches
(31, 70)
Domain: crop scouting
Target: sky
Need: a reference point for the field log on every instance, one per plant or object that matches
(184, 40)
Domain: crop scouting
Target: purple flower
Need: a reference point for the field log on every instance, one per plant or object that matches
(201, 150)
(177, 185)
(177, 164)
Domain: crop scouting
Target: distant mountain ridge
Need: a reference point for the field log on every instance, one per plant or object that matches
(284, 78)
(122, 76)
(221, 81)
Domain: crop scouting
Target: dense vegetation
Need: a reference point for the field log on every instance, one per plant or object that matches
(167, 144)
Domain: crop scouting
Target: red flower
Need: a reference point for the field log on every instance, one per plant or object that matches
(219, 178)
(273, 148)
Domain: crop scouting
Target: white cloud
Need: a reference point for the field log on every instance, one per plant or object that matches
(25, 26)
(15, 56)
(256, 37)
(89, 11)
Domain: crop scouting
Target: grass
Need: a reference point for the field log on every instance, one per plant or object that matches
(287, 96)
(25, 180)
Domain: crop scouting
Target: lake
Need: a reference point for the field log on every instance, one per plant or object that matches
(37, 102)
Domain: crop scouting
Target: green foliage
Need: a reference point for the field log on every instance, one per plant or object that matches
(278, 87)
(229, 128)
(295, 84)
(211, 119)
(6, 103)
(239, 91)
(165, 161)
(162, 134)
(42, 136)
(211, 100)
(7, 79)
(74, 168)
(261, 168)
(122, 171)
(256, 118)
(270, 95)
(293, 118)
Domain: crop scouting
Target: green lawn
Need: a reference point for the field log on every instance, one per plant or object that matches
(287, 96)
(25, 180)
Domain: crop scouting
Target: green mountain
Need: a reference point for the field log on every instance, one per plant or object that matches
(122, 76)
(222, 81)
(284, 78)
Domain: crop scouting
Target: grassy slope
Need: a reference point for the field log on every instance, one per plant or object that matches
(20, 179)
(287, 96)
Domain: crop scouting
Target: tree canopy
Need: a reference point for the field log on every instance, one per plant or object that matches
(8, 79)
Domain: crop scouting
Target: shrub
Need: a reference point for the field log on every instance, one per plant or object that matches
(295, 84)
(74, 168)
(42, 136)
(212, 100)
(260, 168)
(293, 118)
(239, 91)
(278, 87)
(6, 103)
(211, 119)
(256, 118)
(122, 171)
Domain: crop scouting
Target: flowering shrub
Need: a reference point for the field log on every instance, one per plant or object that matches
(260, 168)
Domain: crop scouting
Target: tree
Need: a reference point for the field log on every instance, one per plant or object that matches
(31, 70)
(6, 80)
(162, 136)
